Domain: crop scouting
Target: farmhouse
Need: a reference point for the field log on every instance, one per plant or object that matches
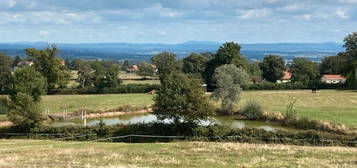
(286, 78)
(133, 68)
(333, 79)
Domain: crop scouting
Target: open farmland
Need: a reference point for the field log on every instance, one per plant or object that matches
(329, 105)
(35, 153)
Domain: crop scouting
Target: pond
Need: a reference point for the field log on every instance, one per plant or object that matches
(146, 118)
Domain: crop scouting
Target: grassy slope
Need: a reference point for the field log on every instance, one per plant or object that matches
(179, 154)
(330, 105)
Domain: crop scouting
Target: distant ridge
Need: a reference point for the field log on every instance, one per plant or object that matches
(143, 51)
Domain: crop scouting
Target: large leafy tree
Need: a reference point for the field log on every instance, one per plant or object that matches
(85, 75)
(272, 68)
(5, 71)
(337, 65)
(145, 70)
(28, 81)
(165, 63)
(254, 72)
(194, 64)
(228, 79)
(228, 53)
(49, 64)
(181, 99)
(105, 75)
(351, 51)
(304, 71)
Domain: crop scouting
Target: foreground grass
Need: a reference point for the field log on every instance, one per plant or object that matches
(23, 153)
(329, 105)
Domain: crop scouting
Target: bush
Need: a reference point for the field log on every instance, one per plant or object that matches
(131, 88)
(253, 110)
(289, 86)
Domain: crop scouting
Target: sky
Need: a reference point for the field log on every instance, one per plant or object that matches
(176, 21)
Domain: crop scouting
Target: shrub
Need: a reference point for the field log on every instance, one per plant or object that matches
(290, 111)
(253, 110)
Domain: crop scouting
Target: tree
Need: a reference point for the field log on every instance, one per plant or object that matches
(50, 66)
(228, 79)
(17, 60)
(351, 52)
(85, 75)
(5, 71)
(27, 80)
(125, 66)
(181, 99)
(228, 53)
(335, 65)
(105, 75)
(254, 72)
(145, 69)
(24, 112)
(304, 71)
(165, 63)
(194, 64)
(272, 68)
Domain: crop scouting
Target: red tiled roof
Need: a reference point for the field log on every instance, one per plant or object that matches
(333, 77)
(287, 75)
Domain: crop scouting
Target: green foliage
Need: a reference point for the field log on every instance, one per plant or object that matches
(85, 75)
(5, 71)
(274, 86)
(228, 79)
(351, 51)
(165, 63)
(125, 66)
(304, 71)
(50, 66)
(254, 72)
(16, 61)
(335, 65)
(228, 53)
(4, 105)
(24, 112)
(272, 68)
(181, 99)
(28, 81)
(252, 110)
(194, 64)
(105, 75)
(145, 70)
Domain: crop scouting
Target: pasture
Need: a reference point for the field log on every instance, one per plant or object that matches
(329, 105)
(37, 153)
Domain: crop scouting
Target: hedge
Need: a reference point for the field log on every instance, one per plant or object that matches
(130, 88)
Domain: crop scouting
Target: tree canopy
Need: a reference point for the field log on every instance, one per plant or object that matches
(145, 70)
(5, 71)
(272, 68)
(49, 64)
(165, 63)
(304, 71)
(181, 99)
(194, 64)
(228, 79)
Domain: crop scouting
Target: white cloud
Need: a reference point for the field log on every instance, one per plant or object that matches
(44, 33)
(12, 3)
(254, 13)
(342, 14)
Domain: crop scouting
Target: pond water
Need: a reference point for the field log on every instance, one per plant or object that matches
(146, 118)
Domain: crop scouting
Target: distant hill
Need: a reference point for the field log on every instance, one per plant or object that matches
(144, 51)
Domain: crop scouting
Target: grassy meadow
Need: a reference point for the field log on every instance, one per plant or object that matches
(35, 153)
(329, 105)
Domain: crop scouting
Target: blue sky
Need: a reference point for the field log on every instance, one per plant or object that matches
(175, 21)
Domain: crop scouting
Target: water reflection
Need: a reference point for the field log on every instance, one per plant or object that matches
(146, 118)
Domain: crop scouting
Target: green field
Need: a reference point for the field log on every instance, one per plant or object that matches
(329, 105)
(35, 153)
(59, 103)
